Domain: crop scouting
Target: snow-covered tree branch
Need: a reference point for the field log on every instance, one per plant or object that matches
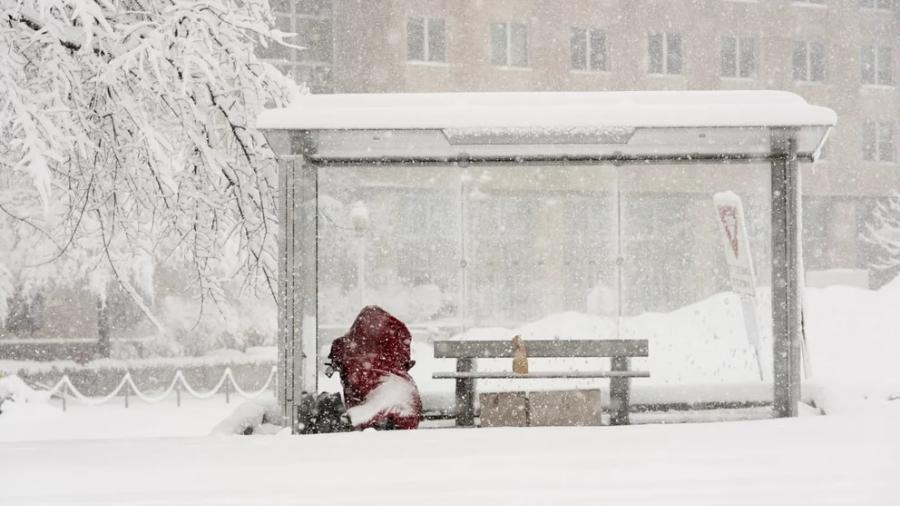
(127, 141)
(883, 232)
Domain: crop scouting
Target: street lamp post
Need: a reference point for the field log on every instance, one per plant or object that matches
(359, 215)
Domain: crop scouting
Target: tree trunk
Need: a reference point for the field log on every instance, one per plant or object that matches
(103, 342)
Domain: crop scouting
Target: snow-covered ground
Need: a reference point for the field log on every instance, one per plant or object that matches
(698, 353)
(816, 460)
(47, 421)
(163, 454)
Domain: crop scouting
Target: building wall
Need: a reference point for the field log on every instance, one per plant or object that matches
(370, 46)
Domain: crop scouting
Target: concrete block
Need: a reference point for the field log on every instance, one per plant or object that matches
(504, 409)
(564, 408)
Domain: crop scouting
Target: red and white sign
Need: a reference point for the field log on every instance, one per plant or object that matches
(736, 244)
(728, 217)
(730, 214)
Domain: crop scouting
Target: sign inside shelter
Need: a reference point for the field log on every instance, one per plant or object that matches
(730, 215)
(736, 244)
(727, 214)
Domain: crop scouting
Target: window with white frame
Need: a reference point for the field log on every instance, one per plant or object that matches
(738, 56)
(664, 53)
(809, 61)
(878, 141)
(509, 45)
(311, 21)
(886, 5)
(877, 65)
(588, 47)
(426, 40)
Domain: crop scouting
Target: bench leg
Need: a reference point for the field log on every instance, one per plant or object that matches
(465, 394)
(619, 393)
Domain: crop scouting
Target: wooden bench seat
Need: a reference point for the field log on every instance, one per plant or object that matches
(619, 351)
(541, 374)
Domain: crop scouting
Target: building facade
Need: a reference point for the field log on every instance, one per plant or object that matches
(842, 54)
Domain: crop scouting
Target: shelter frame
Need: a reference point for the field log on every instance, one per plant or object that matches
(305, 147)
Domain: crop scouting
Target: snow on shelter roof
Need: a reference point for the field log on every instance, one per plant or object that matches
(643, 123)
(645, 109)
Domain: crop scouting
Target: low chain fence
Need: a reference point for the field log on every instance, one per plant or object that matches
(151, 380)
(65, 390)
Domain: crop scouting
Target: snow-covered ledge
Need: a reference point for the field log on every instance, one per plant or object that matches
(657, 125)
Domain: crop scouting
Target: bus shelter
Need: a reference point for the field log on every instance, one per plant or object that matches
(620, 199)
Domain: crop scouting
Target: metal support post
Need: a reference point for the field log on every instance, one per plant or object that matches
(297, 275)
(619, 393)
(306, 274)
(785, 271)
(280, 142)
(465, 394)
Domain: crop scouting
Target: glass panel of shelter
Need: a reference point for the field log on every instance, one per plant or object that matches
(637, 250)
(527, 240)
(677, 289)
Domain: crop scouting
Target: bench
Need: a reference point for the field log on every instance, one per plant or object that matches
(619, 352)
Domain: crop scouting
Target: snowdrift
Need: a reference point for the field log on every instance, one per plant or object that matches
(699, 353)
(16, 397)
(260, 417)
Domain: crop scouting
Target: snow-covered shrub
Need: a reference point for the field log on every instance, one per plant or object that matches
(883, 234)
(14, 390)
(257, 416)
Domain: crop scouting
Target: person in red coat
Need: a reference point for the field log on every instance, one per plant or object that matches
(373, 359)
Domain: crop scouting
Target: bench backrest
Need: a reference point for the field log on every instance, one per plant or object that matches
(548, 348)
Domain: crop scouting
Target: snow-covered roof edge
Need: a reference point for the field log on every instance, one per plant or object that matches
(632, 109)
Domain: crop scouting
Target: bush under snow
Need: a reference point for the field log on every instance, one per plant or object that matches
(14, 393)
(257, 416)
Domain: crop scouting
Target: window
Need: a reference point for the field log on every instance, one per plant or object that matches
(738, 56)
(427, 240)
(315, 36)
(877, 65)
(588, 49)
(509, 45)
(878, 141)
(809, 61)
(426, 40)
(502, 273)
(877, 4)
(664, 53)
(311, 7)
(273, 50)
(311, 22)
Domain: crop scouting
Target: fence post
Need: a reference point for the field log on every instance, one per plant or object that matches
(64, 394)
(178, 394)
(227, 389)
(127, 390)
